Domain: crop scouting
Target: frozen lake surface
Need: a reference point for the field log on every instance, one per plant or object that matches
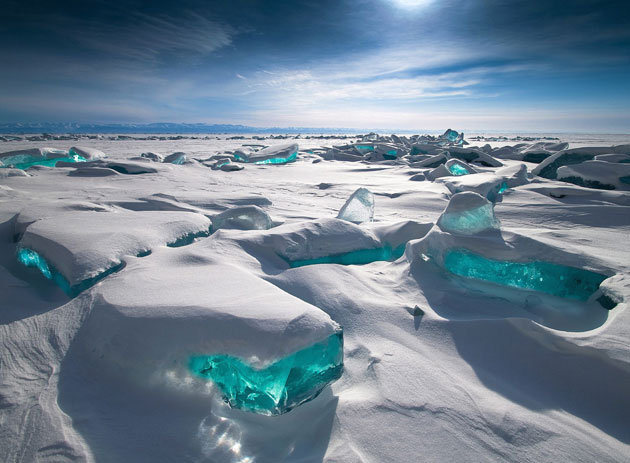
(189, 311)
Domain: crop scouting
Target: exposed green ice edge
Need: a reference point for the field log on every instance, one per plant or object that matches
(360, 257)
(290, 158)
(189, 238)
(391, 154)
(364, 147)
(554, 279)
(30, 258)
(279, 387)
(456, 169)
(42, 162)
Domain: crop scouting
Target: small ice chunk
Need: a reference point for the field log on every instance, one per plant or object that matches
(177, 158)
(450, 135)
(468, 213)
(230, 167)
(457, 167)
(226, 165)
(242, 218)
(359, 207)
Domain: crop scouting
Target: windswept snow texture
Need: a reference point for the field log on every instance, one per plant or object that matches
(224, 309)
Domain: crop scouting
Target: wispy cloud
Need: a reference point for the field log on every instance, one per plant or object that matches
(144, 37)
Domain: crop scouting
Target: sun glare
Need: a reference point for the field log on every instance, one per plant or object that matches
(411, 4)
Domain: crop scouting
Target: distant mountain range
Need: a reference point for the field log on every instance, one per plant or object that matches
(159, 127)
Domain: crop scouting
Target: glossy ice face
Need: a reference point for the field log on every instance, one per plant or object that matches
(554, 279)
(457, 169)
(359, 208)
(279, 387)
(30, 258)
(360, 257)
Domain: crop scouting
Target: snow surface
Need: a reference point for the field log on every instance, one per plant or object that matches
(437, 367)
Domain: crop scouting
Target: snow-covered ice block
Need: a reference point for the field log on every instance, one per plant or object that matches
(242, 218)
(424, 148)
(468, 213)
(155, 157)
(177, 158)
(86, 153)
(597, 174)
(277, 154)
(309, 240)
(336, 154)
(432, 162)
(50, 157)
(473, 155)
(548, 168)
(124, 167)
(92, 171)
(30, 258)
(613, 157)
(359, 207)
(83, 244)
(226, 165)
(486, 184)
(514, 175)
(223, 324)
(452, 167)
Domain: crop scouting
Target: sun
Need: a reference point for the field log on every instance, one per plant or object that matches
(411, 4)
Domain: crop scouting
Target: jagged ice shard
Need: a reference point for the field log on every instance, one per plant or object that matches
(468, 213)
(554, 279)
(278, 154)
(359, 207)
(279, 387)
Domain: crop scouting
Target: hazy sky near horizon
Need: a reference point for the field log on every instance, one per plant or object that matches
(408, 64)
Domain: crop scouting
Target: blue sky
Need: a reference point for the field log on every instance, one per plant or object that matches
(406, 64)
